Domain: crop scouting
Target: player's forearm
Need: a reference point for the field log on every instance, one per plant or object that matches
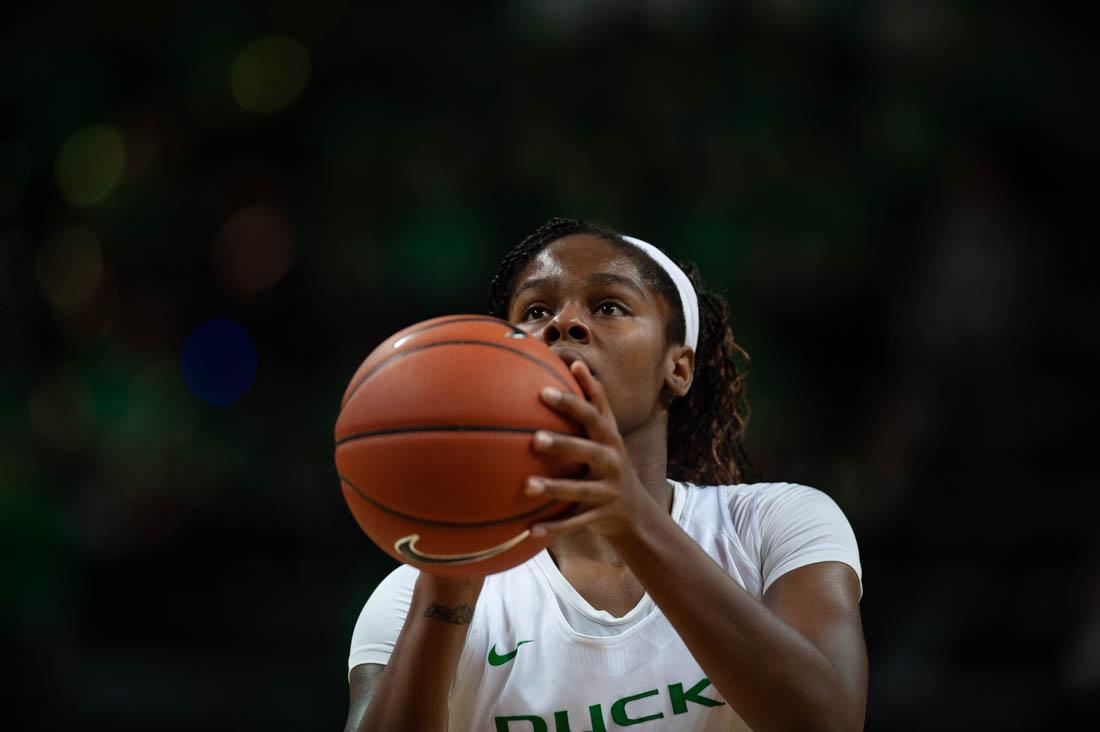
(772, 675)
(413, 690)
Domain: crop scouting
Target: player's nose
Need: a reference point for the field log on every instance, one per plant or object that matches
(567, 325)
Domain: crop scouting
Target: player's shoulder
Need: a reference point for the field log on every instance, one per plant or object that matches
(740, 506)
(395, 589)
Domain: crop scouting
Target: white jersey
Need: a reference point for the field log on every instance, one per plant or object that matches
(539, 658)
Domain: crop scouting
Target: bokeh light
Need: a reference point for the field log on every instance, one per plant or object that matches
(442, 252)
(270, 74)
(218, 361)
(15, 167)
(253, 250)
(150, 417)
(69, 268)
(61, 409)
(89, 164)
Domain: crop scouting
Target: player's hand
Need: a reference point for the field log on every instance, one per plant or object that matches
(612, 492)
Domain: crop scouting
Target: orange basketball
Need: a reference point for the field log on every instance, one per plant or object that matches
(433, 444)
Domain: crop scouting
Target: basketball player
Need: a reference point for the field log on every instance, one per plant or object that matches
(679, 597)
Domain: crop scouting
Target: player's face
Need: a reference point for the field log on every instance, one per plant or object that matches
(584, 299)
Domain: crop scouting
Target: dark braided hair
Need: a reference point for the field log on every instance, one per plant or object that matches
(706, 428)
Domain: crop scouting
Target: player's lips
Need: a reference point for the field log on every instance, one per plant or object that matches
(568, 356)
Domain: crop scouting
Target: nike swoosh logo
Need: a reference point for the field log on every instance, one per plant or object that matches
(495, 660)
(406, 547)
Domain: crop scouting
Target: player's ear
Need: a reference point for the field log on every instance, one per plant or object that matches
(680, 371)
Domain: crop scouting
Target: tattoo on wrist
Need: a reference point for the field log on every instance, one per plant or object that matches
(460, 614)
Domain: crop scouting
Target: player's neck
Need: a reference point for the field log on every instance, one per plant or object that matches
(647, 448)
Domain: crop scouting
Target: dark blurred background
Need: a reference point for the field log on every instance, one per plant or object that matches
(210, 215)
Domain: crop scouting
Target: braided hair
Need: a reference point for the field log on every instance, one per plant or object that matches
(706, 427)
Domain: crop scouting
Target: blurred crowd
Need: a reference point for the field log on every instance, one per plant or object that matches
(209, 214)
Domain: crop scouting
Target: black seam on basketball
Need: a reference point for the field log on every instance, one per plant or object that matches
(456, 319)
(453, 524)
(436, 428)
(460, 342)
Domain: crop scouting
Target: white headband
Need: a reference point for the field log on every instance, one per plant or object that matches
(689, 302)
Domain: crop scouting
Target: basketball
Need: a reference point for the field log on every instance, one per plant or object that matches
(433, 444)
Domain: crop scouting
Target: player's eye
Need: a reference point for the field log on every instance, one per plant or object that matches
(533, 309)
(609, 304)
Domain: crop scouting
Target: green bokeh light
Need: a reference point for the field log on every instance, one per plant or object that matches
(89, 164)
(270, 74)
(443, 254)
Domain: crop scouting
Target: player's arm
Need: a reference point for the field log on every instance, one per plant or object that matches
(821, 602)
(362, 683)
(410, 691)
(795, 661)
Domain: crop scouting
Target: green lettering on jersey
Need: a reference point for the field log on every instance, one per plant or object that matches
(538, 724)
(680, 698)
(618, 710)
(595, 714)
(677, 696)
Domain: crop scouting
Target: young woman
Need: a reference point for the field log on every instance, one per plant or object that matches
(682, 598)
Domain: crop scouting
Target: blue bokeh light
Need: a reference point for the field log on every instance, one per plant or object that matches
(218, 361)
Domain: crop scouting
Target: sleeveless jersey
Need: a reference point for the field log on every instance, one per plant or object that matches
(539, 658)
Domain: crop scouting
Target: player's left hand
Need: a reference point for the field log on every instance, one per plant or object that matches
(611, 488)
